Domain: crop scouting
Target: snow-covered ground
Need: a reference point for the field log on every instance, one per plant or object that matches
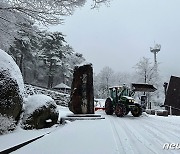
(128, 135)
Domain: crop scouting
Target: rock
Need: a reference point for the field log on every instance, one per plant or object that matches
(11, 87)
(40, 112)
(82, 94)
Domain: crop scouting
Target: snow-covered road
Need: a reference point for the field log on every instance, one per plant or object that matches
(144, 134)
(113, 135)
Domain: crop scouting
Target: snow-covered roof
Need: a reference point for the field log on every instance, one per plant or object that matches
(62, 86)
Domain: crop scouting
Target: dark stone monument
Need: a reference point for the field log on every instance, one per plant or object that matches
(173, 95)
(82, 94)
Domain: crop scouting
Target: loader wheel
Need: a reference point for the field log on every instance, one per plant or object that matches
(137, 110)
(109, 107)
(120, 110)
(127, 111)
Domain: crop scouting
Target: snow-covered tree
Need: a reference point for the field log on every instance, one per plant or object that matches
(45, 11)
(11, 22)
(14, 13)
(103, 81)
(59, 58)
(25, 47)
(52, 53)
(146, 72)
(121, 78)
(72, 59)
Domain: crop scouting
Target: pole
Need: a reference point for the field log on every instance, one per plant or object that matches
(170, 110)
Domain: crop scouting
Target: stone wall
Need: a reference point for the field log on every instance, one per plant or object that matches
(60, 98)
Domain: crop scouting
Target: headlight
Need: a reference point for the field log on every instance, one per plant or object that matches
(131, 100)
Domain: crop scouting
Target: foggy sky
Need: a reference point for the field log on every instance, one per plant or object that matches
(118, 36)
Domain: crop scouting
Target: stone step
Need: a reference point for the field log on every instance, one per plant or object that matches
(82, 117)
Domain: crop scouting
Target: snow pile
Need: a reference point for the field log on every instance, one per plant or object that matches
(7, 63)
(6, 124)
(35, 102)
(99, 102)
(40, 112)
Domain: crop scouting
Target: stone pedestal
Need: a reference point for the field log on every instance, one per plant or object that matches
(82, 94)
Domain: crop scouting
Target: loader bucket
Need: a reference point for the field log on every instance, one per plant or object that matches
(143, 87)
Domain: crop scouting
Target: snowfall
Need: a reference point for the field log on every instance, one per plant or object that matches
(147, 134)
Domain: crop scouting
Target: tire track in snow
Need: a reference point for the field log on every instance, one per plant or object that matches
(148, 136)
(159, 139)
(160, 123)
(169, 129)
(128, 142)
(143, 134)
(162, 133)
(118, 143)
(144, 142)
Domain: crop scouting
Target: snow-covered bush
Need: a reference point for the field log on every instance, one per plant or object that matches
(40, 111)
(6, 124)
(11, 90)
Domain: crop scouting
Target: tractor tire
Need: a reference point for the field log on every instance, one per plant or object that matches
(127, 111)
(120, 110)
(137, 110)
(109, 107)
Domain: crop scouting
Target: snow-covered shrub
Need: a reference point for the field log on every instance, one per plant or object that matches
(40, 111)
(11, 87)
(6, 124)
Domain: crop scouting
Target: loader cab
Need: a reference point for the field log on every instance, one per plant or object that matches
(118, 93)
(115, 91)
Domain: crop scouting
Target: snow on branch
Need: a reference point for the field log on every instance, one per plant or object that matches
(44, 11)
(97, 3)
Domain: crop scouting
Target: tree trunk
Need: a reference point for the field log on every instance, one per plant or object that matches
(21, 62)
(24, 73)
(50, 77)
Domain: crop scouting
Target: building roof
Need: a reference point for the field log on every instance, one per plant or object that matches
(62, 86)
(143, 87)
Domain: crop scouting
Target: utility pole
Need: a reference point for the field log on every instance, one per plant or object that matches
(155, 50)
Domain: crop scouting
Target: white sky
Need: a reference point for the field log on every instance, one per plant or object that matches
(120, 35)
